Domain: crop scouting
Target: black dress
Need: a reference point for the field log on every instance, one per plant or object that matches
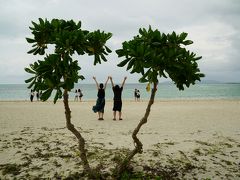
(100, 104)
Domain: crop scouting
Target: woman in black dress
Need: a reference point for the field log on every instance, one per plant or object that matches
(100, 104)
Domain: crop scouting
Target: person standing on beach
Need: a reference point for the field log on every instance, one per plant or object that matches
(31, 95)
(76, 95)
(135, 94)
(138, 95)
(100, 104)
(117, 99)
(80, 94)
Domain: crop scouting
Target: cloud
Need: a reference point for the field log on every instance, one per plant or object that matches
(212, 25)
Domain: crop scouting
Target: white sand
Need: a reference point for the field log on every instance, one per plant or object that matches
(197, 138)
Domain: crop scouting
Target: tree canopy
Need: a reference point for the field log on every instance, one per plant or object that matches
(155, 54)
(58, 70)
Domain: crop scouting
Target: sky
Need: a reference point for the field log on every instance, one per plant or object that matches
(213, 26)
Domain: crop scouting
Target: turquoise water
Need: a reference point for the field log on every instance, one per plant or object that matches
(165, 91)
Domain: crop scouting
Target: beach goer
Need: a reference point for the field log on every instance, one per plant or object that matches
(37, 95)
(100, 103)
(80, 94)
(31, 95)
(117, 99)
(135, 94)
(76, 95)
(138, 95)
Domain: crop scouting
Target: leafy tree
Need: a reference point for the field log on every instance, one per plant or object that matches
(155, 55)
(58, 71)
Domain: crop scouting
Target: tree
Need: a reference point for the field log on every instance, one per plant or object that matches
(58, 71)
(155, 55)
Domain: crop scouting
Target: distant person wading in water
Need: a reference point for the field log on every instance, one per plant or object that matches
(100, 104)
(117, 99)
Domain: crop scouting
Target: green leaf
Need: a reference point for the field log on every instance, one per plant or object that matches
(41, 21)
(30, 40)
(103, 58)
(120, 52)
(145, 75)
(183, 35)
(141, 31)
(37, 51)
(143, 80)
(201, 75)
(35, 25)
(97, 60)
(31, 84)
(29, 71)
(81, 77)
(29, 80)
(174, 35)
(60, 94)
(187, 42)
(32, 50)
(197, 58)
(123, 63)
(56, 97)
(161, 73)
(42, 86)
(42, 51)
(108, 50)
(130, 64)
(79, 24)
(46, 94)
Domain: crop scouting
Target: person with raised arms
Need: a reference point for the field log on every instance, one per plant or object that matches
(100, 103)
(117, 99)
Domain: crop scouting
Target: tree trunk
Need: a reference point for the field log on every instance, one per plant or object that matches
(137, 143)
(81, 141)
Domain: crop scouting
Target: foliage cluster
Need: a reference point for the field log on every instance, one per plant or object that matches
(155, 55)
(58, 70)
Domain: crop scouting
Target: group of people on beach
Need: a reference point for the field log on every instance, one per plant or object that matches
(32, 95)
(100, 103)
(117, 99)
(78, 95)
(137, 95)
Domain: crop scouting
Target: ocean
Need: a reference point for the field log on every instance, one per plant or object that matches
(15, 92)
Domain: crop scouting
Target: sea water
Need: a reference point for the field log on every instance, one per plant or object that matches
(14, 92)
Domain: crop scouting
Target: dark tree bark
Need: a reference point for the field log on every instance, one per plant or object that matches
(137, 143)
(81, 141)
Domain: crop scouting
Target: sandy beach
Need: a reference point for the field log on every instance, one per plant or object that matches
(183, 139)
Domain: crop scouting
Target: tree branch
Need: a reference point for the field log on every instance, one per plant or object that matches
(70, 126)
(138, 145)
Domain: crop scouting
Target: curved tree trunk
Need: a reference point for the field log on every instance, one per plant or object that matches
(137, 143)
(81, 141)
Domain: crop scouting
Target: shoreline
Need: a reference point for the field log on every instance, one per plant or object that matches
(132, 100)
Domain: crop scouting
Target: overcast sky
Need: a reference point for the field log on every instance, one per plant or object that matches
(213, 25)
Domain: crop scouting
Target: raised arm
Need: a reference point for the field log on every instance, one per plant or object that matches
(123, 81)
(111, 81)
(106, 83)
(94, 78)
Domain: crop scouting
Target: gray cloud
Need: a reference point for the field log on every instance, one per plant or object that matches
(212, 25)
